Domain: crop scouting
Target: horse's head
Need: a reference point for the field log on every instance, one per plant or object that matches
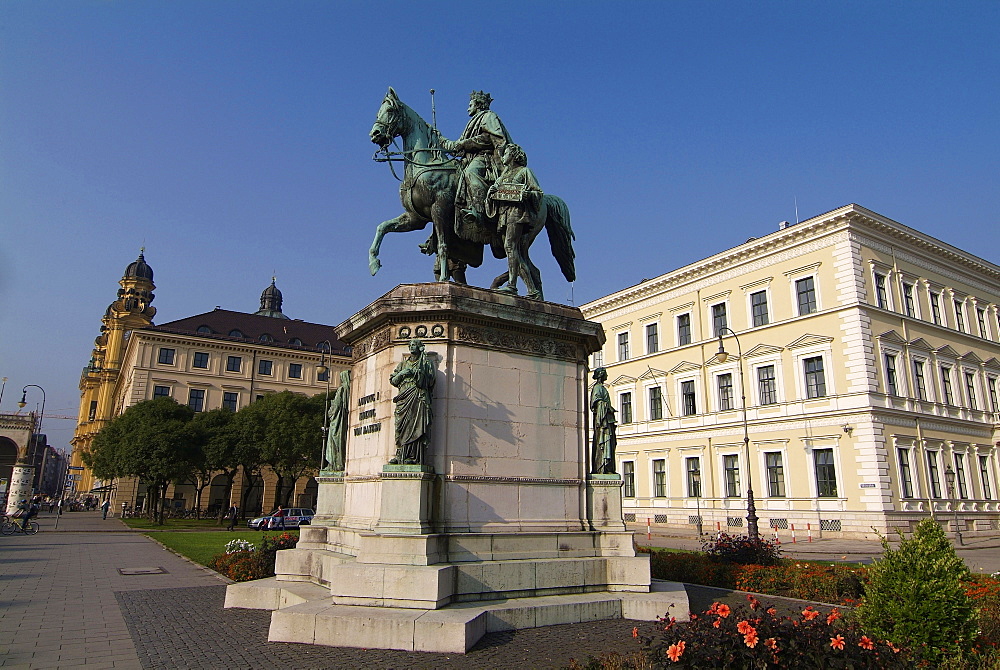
(389, 120)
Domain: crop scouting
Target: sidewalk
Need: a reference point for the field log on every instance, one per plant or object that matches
(981, 554)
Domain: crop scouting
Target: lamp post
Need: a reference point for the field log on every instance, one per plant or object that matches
(723, 356)
(34, 439)
(949, 480)
(696, 480)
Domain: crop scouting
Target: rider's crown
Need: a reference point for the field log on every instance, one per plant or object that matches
(481, 98)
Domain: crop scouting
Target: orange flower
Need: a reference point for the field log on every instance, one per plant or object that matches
(716, 623)
(635, 632)
(834, 615)
(771, 644)
(837, 642)
(809, 613)
(772, 611)
(675, 651)
(744, 627)
(723, 610)
(754, 603)
(866, 643)
(750, 639)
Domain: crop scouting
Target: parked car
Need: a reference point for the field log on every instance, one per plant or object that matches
(294, 517)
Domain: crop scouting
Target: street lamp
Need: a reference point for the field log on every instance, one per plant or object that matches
(949, 480)
(41, 415)
(723, 356)
(696, 480)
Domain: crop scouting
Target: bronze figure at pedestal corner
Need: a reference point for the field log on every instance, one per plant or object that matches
(435, 187)
(336, 437)
(414, 377)
(605, 438)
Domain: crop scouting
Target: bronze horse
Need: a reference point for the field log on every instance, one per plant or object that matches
(430, 181)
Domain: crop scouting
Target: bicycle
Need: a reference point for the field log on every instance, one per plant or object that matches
(10, 527)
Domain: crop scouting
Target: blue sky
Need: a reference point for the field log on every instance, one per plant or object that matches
(231, 139)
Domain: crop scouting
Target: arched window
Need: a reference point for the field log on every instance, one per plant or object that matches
(236, 332)
(264, 337)
(295, 341)
(324, 346)
(204, 329)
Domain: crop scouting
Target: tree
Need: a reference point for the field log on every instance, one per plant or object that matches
(282, 430)
(153, 440)
(218, 443)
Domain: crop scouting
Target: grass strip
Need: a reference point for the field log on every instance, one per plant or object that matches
(201, 547)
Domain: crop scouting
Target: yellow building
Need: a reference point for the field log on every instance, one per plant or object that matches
(868, 356)
(217, 359)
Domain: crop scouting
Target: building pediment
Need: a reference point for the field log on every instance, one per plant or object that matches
(809, 340)
(946, 350)
(622, 380)
(684, 366)
(892, 337)
(714, 360)
(764, 350)
(992, 363)
(921, 343)
(653, 374)
(971, 357)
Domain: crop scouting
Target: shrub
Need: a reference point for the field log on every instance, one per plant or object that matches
(805, 580)
(692, 568)
(245, 565)
(753, 637)
(743, 549)
(915, 596)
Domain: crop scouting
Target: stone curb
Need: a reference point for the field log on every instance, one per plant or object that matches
(225, 580)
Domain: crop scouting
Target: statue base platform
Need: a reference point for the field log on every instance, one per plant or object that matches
(501, 528)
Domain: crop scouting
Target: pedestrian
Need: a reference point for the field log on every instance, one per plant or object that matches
(105, 506)
(233, 514)
(278, 518)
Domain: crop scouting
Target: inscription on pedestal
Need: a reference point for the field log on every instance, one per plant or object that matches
(367, 414)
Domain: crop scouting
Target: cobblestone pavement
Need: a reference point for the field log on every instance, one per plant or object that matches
(188, 628)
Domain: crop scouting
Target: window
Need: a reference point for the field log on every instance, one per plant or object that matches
(660, 478)
(688, 398)
(775, 474)
(628, 479)
(731, 470)
(959, 316)
(265, 337)
(598, 359)
(626, 404)
(200, 359)
(933, 474)
(234, 363)
(815, 379)
(881, 299)
(970, 388)
(908, 304)
(693, 476)
(936, 307)
(725, 391)
(805, 290)
(984, 476)
(655, 403)
(719, 319)
(295, 342)
(946, 385)
(230, 401)
(295, 370)
(963, 489)
(92, 415)
(981, 318)
(161, 391)
(196, 399)
(890, 375)
(919, 381)
(322, 376)
(905, 474)
(205, 330)
(166, 356)
(652, 338)
(767, 385)
(683, 329)
(991, 383)
(264, 367)
(236, 332)
(623, 346)
(826, 475)
(758, 308)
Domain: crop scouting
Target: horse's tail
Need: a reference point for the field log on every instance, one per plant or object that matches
(560, 235)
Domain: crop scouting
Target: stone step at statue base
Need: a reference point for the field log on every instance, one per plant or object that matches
(309, 616)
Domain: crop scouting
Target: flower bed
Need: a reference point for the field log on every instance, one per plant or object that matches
(243, 562)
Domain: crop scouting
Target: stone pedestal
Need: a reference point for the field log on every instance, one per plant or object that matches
(501, 527)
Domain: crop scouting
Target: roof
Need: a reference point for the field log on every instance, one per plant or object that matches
(285, 332)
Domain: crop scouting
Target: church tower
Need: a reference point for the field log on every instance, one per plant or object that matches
(270, 302)
(131, 309)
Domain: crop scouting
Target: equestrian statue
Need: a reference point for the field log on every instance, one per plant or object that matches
(476, 190)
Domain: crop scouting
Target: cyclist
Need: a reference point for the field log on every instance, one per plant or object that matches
(30, 511)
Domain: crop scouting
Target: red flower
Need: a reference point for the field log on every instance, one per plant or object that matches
(754, 603)
(635, 632)
(866, 643)
(837, 642)
(771, 644)
(834, 615)
(716, 623)
(744, 627)
(809, 613)
(750, 639)
(723, 610)
(772, 611)
(675, 651)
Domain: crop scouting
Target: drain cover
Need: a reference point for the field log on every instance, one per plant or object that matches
(141, 571)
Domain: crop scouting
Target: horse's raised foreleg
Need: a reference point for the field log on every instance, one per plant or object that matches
(403, 223)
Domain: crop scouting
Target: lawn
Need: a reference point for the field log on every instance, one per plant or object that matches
(201, 547)
(143, 523)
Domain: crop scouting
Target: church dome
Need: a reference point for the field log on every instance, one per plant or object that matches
(138, 269)
(270, 302)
